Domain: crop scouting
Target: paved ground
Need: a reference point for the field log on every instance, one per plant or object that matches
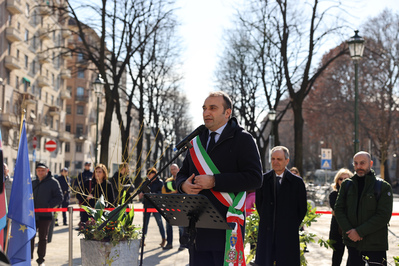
(57, 250)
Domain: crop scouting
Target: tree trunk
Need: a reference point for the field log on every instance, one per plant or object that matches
(106, 131)
(298, 134)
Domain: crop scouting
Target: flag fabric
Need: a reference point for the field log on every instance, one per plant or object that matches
(21, 208)
(3, 199)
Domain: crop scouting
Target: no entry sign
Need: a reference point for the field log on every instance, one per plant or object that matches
(50, 145)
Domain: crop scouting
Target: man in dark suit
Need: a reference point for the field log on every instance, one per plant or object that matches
(281, 204)
(234, 153)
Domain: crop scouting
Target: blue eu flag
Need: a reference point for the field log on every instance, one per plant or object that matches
(21, 208)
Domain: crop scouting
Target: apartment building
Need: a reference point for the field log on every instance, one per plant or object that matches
(49, 87)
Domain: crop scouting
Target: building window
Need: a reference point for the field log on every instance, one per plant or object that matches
(79, 129)
(78, 147)
(26, 62)
(67, 164)
(80, 57)
(78, 165)
(17, 82)
(68, 127)
(81, 73)
(27, 10)
(69, 109)
(26, 36)
(80, 91)
(33, 67)
(67, 147)
(80, 110)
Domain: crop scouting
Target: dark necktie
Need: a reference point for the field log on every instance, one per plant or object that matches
(278, 178)
(211, 142)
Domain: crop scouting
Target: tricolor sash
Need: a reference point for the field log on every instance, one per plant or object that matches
(234, 248)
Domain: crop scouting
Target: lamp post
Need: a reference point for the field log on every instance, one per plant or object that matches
(272, 118)
(356, 48)
(98, 86)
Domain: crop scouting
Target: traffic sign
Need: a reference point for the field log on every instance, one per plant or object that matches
(326, 156)
(50, 145)
(34, 142)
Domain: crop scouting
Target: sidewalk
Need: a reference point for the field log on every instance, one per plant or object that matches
(57, 250)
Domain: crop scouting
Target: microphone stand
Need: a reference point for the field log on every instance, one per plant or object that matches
(144, 187)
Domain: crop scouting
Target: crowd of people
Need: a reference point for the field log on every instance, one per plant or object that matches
(224, 165)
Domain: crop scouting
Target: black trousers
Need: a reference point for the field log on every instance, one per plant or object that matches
(42, 226)
(355, 257)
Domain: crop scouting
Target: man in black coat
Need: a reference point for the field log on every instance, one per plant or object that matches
(281, 204)
(46, 194)
(65, 183)
(235, 154)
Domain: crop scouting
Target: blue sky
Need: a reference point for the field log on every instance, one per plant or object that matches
(203, 22)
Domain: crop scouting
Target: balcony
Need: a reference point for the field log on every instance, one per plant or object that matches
(80, 137)
(66, 33)
(41, 129)
(54, 110)
(42, 82)
(64, 136)
(13, 35)
(11, 62)
(44, 34)
(13, 6)
(43, 58)
(65, 74)
(81, 98)
(65, 94)
(9, 120)
(44, 9)
(28, 98)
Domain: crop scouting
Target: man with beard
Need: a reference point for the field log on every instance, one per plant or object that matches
(363, 210)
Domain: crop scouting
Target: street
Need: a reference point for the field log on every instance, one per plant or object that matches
(57, 250)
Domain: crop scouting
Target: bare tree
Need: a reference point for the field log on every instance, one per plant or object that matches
(123, 27)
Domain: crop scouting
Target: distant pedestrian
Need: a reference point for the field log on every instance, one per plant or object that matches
(46, 194)
(65, 183)
(363, 210)
(156, 188)
(169, 187)
(295, 171)
(81, 180)
(121, 183)
(335, 230)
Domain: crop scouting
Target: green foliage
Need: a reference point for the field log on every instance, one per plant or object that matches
(119, 228)
(251, 234)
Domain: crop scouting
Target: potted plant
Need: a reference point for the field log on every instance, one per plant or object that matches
(117, 243)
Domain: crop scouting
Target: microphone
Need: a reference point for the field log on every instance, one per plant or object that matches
(192, 135)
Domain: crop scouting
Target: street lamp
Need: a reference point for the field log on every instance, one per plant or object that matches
(272, 118)
(356, 48)
(98, 86)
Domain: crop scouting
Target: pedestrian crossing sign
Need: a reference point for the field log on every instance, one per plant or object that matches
(326, 164)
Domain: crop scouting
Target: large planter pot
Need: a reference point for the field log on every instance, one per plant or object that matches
(95, 253)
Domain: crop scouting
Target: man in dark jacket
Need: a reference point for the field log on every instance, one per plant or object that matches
(46, 194)
(64, 182)
(82, 179)
(281, 204)
(363, 210)
(235, 155)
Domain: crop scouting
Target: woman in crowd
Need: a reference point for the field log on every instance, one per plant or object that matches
(156, 188)
(335, 231)
(95, 187)
(121, 182)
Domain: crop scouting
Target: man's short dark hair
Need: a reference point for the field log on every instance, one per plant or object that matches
(227, 103)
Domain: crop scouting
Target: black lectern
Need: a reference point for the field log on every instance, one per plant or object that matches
(187, 210)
